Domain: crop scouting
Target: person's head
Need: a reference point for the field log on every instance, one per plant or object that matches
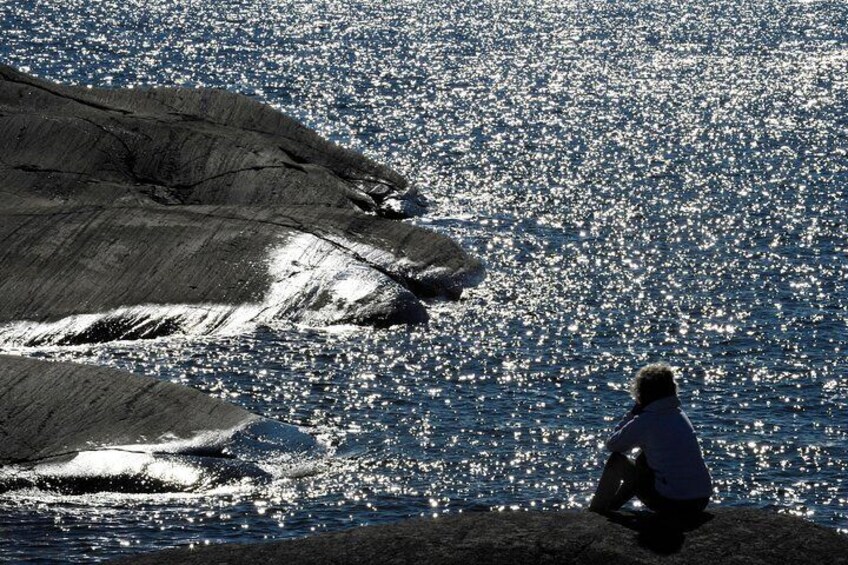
(653, 382)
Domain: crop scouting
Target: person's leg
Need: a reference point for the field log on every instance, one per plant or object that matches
(616, 486)
(646, 490)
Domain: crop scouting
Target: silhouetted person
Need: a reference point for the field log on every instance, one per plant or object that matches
(669, 474)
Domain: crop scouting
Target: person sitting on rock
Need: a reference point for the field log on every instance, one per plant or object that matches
(669, 474)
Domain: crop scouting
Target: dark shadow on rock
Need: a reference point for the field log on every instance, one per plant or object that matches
(661, 534)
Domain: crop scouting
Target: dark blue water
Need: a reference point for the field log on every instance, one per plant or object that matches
(645, 181)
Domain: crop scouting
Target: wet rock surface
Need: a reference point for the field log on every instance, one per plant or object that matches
(721, 536)
(137, 199)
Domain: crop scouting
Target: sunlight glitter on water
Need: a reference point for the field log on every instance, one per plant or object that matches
(654, 180)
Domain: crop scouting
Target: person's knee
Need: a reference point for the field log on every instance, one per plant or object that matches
(616, 461)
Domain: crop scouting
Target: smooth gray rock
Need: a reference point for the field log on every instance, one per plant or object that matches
(146, 207)
(50, 409)
(727, 536)
(77, 429)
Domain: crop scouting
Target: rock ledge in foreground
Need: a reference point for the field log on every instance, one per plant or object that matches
(726, 536)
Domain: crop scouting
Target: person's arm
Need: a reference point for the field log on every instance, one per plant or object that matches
(635, 411)
(627, 432)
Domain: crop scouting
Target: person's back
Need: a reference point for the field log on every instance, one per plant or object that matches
(670, 473)
(667, 439)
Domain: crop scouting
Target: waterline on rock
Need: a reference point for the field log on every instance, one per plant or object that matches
(313, 282)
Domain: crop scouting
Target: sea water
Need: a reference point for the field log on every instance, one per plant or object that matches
(653, 180)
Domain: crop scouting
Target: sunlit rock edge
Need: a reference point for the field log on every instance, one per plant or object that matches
(71, 429)
(140, 213)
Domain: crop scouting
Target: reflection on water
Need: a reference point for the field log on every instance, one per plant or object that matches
(661, 180)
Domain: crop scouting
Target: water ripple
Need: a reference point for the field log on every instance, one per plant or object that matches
(664, 179)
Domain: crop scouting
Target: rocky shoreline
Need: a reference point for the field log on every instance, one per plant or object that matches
(142, 213)
(132, 213)
(743, 536)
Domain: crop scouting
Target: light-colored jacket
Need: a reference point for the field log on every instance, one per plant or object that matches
(667, 439)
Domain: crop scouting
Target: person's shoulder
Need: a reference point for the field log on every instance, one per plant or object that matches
(664, 405)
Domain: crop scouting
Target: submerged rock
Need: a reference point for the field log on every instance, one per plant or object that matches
(139, 213)
(77, 428)
(753, 537)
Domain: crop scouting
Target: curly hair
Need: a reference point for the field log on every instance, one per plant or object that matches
(653, 382)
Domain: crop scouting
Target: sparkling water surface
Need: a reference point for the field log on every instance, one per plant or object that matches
(644, 181)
